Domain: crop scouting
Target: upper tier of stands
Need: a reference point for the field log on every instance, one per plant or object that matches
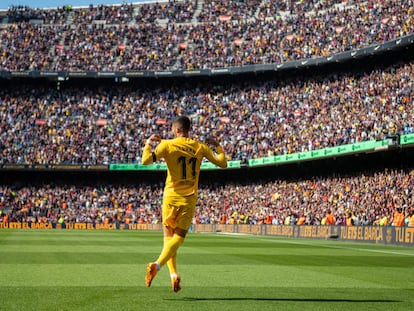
(108, 123)
(194, 34)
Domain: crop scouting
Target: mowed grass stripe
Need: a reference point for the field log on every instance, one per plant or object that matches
(202, 298)
(107, 246)
(73, 236)
(218, 273)
(115, 256)
(230, 275)
(64, 240)
(140, 255)
(70, 242)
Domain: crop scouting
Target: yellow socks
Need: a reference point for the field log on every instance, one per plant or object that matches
(169, 251)
(172, 262)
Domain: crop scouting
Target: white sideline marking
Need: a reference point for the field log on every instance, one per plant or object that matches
(316, 244)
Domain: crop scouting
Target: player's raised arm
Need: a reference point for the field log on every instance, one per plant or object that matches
(148, 156)
(219, 157)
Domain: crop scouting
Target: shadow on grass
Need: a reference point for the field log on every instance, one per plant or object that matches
(282, 299)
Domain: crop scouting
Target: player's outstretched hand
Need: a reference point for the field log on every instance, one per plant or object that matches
(212, 141)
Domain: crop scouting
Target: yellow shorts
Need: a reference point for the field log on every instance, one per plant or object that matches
(178, 212)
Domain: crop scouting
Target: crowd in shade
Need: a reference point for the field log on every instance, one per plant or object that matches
(108, 124)
(368, 199)
(20, 13)
(183, 35)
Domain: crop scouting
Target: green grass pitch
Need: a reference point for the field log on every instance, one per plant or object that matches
(105, 270)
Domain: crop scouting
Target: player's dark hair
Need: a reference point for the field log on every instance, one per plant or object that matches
(183, 122)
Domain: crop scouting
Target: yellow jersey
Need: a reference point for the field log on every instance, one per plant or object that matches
(183, 157)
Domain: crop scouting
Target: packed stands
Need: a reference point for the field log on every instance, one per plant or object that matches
(25, 14)
(172, 11)
(168, 36)
(105, 124)
(82, 123)
(368, 198)
(120, 14)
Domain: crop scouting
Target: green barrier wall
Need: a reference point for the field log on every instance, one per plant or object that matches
(365, 146)
(163, 166)
(407, 139)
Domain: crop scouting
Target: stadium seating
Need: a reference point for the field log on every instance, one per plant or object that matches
(180, 35)
(85, 124)
(102, 125)
(368, 197)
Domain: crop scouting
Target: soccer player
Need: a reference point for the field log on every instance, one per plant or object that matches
(183, 156)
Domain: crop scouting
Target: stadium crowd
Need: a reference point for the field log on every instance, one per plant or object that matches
(119, 14)
(237, 10)
(252, 32)
(20, 13)
(104, 125)
(87, 125)
(173, 11)
(367, 199)
(101, 127)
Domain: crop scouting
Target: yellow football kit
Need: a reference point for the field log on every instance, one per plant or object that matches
(183, 157)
